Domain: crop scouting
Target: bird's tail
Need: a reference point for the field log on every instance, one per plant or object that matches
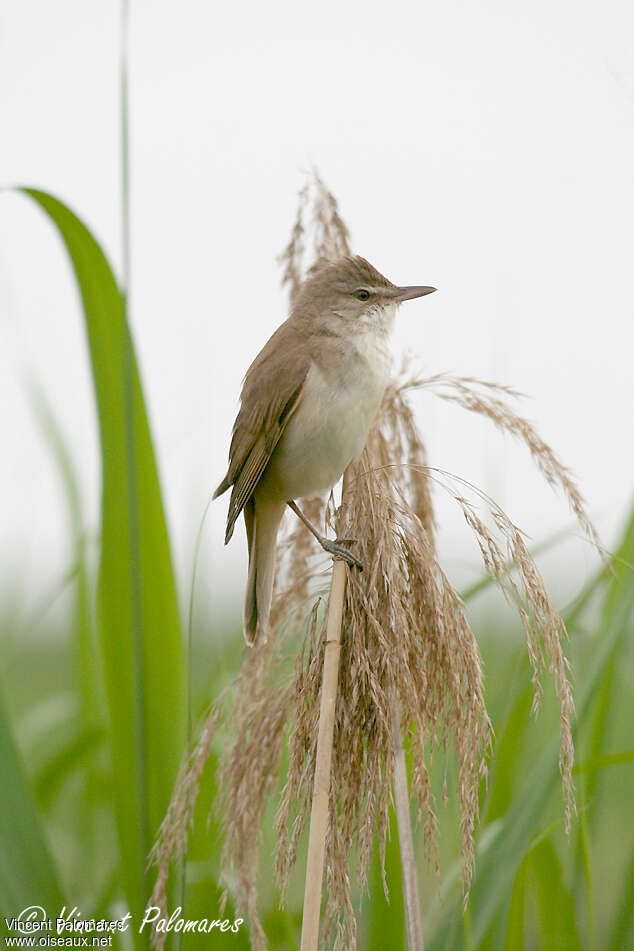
(262, 521)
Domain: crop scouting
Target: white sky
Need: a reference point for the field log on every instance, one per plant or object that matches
(485, 148)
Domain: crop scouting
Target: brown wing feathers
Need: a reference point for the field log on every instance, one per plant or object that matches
(259, 426)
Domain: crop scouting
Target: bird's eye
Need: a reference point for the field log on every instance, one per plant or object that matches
(362, 294)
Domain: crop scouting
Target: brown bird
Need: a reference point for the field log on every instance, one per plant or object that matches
(307, 404)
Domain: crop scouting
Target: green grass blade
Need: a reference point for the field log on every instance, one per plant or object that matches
(622, 933)
(620, 582)
(83, 634)
(587, 871)
(79, 748)
(602, 762)
(556, 912)
(496, 871)
(27, 873)
(139, 625)
(517, 914)
(492, 884)
(382, 925)
(506, 768)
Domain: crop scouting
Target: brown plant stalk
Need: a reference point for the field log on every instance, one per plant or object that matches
(319, 814)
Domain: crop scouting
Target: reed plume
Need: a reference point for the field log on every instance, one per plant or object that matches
(408, 654)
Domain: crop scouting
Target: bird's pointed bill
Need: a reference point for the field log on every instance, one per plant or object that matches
(409, 293)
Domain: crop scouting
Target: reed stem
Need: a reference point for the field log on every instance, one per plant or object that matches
(321, 786)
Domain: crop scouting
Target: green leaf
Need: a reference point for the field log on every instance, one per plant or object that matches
(517, 913)
(77, 749)
(622, 927)
(556, 912)
(620, 582)
(27, 873)
(508, 756)
(586, 868)
(138, 617)
(497, 869)
(83, 634)
(598, 763)
(382, 925)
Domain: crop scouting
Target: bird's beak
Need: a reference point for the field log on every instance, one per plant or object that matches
(409, 293)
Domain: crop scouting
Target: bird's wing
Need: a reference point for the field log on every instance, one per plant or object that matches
(260, 423)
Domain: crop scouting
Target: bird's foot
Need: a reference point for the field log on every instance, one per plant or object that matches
(338, 549)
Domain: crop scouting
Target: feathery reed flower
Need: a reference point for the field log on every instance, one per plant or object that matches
(408, 654)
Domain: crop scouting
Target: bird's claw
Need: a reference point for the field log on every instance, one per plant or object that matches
(339, 550)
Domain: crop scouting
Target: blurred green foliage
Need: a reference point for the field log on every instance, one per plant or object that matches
(534, 887)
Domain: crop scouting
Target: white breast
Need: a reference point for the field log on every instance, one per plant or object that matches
(332, 422)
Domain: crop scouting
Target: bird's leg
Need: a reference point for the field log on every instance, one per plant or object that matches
(337, 548)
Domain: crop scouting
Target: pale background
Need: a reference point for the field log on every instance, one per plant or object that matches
(485, 148)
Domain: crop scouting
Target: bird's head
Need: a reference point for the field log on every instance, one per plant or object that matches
(352, 296)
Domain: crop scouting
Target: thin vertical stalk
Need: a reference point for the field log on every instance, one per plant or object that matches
(130, 439)
(406, 840)
(125, 151)
(319, 814)
(321, 788)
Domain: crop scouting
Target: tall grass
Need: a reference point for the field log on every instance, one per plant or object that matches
(141, 657)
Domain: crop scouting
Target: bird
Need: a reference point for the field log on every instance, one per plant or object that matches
(307, 404)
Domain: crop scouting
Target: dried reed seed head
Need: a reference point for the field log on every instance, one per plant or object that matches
(171, 841)
(406, 646)
(490, 400)
(330, 235)
(408, 651)
(293, 254)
